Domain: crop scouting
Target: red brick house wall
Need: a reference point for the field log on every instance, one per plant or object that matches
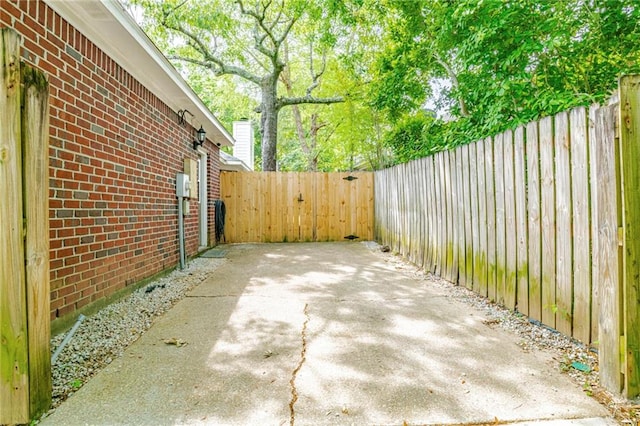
(115, 149)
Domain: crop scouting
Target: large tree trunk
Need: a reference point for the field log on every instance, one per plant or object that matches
(269, 123)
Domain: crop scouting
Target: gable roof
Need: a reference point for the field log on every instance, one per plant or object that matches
(108, 25)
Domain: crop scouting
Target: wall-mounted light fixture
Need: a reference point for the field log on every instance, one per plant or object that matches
(201, 137)
(201, 134)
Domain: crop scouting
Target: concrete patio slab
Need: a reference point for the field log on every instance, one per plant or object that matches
(326, 333)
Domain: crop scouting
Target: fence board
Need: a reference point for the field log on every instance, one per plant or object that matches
(480, 280)
(262, 196)
(337, 208)
(369, 195)
(409, 208)
(547, 210)
(534, 225)
(270, 216)
(510, 223)
(424, 214)
(581, 233)
(35, 123)
(403, 220)
(239, 213)
(282, 200)
(522, 260)
(421, 198)
(414, 200)
(290, 207)
(420, 201)
(564, 291)
(467, 249)
(381, 220)
(491, 219)
(475, 232)
(499, 190)
(320, 213)
(433, 233)
(395, 212)
(460, 208)
(449, 192)
(454, 215)
(605, 247)
(593, 143)
(440, 214)
(308, 221)
(629, 160)
(14, 374)
(442, 198)
(256, 206)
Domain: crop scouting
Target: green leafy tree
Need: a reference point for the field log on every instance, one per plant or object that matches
(506, 63)
(246, 39)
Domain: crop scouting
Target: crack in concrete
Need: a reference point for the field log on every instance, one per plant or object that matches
(213, 296)
(294, 374)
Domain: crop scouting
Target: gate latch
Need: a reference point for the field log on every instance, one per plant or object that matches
(351, 237)
(350, 178)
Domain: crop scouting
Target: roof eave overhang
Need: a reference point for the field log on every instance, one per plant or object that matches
(233, 164)
(108, 25)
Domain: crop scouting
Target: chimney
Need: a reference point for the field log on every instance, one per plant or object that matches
(243, 148)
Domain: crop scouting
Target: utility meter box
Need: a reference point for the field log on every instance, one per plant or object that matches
(191, 170)
(183, 186)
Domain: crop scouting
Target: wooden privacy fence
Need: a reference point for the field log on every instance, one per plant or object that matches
(544, 219)
(281, 207)
(25, 366)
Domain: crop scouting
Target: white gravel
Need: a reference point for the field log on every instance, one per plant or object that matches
(104, 336)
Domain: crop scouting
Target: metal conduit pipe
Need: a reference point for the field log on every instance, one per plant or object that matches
(67, 338)
(181, 231)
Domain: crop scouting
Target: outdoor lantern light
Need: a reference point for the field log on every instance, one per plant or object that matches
(201, 136)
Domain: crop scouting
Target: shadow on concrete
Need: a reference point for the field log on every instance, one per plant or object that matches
(354, 338)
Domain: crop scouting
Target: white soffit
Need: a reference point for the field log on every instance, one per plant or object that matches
(108, 25)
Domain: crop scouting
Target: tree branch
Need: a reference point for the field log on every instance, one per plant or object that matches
(286, 31)
(454, 80)
(210, 61)
(315, 77)
(267, 30)
(218, 67)
(259, 17)
(308, 100)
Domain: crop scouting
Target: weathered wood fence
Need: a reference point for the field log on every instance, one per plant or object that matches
(281, 207)
(25, 366)
(544, 219)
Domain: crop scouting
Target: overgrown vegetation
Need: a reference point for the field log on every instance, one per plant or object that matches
(503, 63)
(416, 76)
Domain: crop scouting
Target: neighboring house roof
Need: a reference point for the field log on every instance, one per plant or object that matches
(233, 164)
(108, 25)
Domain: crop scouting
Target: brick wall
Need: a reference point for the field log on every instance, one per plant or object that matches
(114, 152)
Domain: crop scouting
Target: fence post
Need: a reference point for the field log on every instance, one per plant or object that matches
(25, 363)
(14, 373)
(629, 160)
(605, 275)
(35, 144)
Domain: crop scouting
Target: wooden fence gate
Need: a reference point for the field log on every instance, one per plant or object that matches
(289, 207)
(25, 363)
